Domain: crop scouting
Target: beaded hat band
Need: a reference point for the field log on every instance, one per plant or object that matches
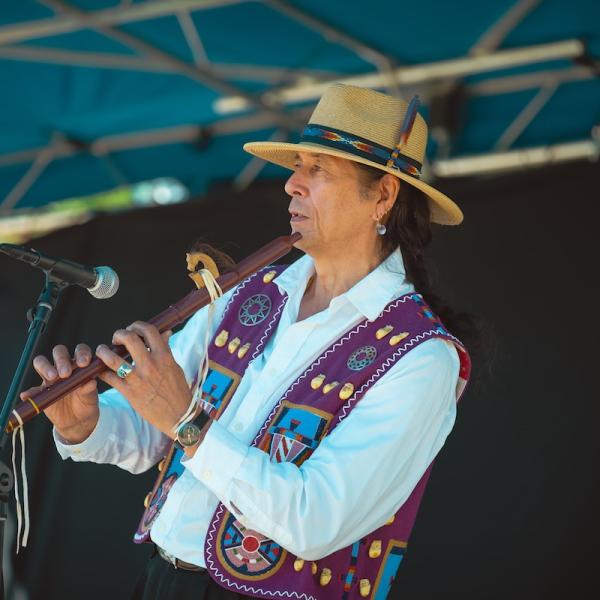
(368, 127)
(361, 147)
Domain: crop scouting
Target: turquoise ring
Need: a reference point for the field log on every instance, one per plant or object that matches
(124, 370)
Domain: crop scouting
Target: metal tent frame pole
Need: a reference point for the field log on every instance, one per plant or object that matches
(420, 74)
(110, 16)
(512, 160)
(492, 39)
(126, 62)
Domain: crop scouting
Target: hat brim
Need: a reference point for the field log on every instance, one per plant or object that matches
(442, 209)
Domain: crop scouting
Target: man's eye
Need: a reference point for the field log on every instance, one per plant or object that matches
(315, 168)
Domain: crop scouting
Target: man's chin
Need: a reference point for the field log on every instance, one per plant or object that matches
(307, 233)
(304, 242)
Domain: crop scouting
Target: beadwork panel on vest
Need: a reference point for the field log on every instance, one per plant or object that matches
(295, 433)
(219, 386)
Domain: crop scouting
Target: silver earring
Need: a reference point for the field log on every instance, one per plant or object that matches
(380, 228)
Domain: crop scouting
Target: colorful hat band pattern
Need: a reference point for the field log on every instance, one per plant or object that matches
(341, 140)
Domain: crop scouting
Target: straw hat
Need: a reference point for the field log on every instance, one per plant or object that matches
(368, 127)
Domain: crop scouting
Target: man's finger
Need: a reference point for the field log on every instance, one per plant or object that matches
(111, 359)
(88, 387)
(30, 392)
(62, 360)
(44, 368)
(150, 334)
(113, 380)
(134, 344)
(83, 355)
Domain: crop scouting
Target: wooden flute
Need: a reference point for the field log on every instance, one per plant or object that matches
(171, 317)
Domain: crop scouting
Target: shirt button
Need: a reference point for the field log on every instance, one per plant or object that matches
(238, 427)
(207, 474)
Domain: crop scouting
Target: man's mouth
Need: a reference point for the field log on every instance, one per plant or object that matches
(296, 216)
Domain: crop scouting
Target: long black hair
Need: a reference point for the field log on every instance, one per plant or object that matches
(408, 226)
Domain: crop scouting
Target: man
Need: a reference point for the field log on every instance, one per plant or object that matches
(330, 389)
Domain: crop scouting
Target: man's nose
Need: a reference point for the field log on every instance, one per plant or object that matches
(294, 186)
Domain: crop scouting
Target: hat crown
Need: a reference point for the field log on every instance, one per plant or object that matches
(371, 115)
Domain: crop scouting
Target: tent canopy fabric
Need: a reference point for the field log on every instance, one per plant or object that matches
(100, 93)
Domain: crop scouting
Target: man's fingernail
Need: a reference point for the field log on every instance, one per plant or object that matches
(51, 373)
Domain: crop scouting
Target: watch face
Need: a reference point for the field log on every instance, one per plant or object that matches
(188, 434)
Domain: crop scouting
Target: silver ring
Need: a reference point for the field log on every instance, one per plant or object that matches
(124, 370)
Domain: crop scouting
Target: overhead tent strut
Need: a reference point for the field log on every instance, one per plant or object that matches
(492, 39)
(125, 62)
(423, 73)
(519, 159)
(109, 16)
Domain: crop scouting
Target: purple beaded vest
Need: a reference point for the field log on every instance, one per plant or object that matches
(244, 560)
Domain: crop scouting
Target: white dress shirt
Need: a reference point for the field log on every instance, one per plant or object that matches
(358, 476)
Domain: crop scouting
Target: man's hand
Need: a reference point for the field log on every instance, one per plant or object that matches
(156, 388)
(75, 415)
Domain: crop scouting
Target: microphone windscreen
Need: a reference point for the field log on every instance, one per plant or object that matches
(106, 285)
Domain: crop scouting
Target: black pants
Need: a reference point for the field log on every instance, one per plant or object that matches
(162, 581)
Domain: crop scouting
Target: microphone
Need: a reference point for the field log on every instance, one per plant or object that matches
(100, 282)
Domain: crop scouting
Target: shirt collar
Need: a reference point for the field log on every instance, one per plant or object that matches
(369, 296)
(296, 276)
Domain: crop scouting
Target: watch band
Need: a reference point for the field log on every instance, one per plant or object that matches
(201, 420)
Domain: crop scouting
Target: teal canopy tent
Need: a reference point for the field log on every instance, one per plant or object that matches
(101, 93)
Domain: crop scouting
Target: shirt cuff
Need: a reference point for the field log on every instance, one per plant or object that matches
(91, 445)
(217, 460)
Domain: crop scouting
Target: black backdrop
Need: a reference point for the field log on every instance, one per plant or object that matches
(511, 508)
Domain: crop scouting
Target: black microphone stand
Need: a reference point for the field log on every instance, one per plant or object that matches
(38, 319)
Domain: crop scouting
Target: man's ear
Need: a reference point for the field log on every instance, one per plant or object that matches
(389, 186)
